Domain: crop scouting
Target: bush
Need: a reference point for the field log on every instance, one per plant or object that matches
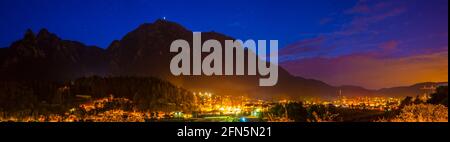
(421, 113)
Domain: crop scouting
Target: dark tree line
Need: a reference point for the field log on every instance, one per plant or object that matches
(295, 111)
(150, 94)
(440, 97)
(26, 95)
(16, 96)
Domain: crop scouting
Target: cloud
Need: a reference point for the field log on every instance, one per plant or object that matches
(363, 52)
(326, 20)
(366, 14)
(360, 7)
(303, 46)
(368, 70)
(362, 16)
(390, 13)
(390, 45)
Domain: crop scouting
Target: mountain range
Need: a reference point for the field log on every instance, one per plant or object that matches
(145, 52)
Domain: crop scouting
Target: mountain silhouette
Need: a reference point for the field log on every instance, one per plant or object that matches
(47, 57)
(144, 52)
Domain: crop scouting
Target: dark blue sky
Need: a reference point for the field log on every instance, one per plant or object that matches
(319, 34)
(98, 22)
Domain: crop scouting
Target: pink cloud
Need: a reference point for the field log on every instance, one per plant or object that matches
(389, 45)
(303, 46)
(391, 13)
(367, 70)
(361, 7)
(382, 5)
(365, 15)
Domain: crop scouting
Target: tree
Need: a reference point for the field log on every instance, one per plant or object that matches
(322, 113)
(295, 111)
(407, 101)
(422, 113)
(440, 97)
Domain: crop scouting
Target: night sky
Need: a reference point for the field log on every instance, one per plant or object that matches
(370, 43)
